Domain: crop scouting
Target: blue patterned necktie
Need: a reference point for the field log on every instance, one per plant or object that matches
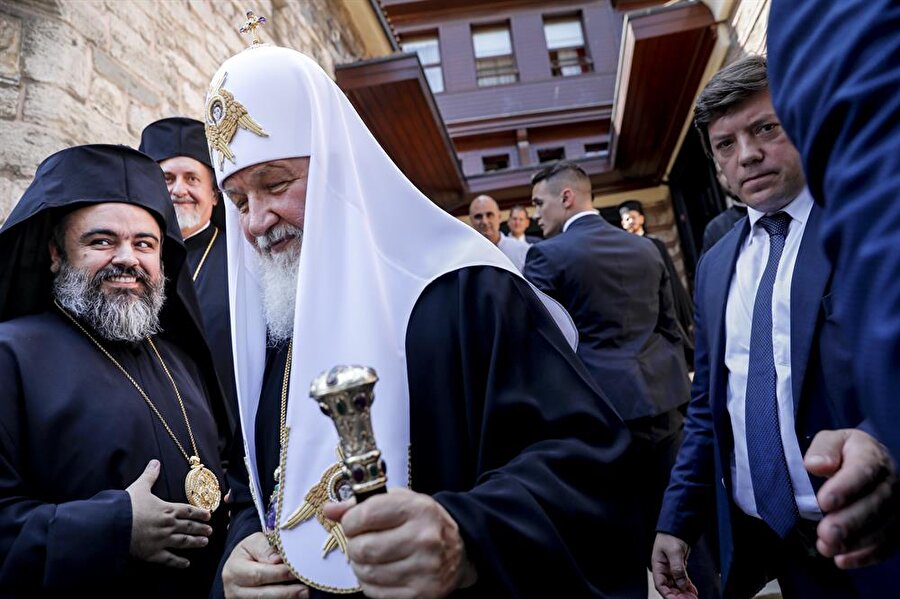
(772, 485)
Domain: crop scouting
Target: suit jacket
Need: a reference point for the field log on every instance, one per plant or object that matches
(720, 225)
(617, 289)
(684, 305)
(702, 471)
(834, 70)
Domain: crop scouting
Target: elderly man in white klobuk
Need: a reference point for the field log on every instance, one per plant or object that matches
(504, 461)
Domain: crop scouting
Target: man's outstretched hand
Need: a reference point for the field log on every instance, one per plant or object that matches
(860, 499)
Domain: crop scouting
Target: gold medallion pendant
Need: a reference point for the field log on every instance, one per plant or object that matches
(201, 486)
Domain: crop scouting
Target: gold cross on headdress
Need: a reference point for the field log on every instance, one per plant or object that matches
(250, 26)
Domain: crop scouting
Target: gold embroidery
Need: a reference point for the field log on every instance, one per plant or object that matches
(327, 489)
(224, 115)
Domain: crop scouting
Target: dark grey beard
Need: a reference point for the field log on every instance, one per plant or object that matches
(120, 315)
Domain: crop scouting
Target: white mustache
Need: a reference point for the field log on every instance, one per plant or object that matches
(276, 234)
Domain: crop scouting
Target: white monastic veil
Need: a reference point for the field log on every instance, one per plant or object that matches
(372, 243)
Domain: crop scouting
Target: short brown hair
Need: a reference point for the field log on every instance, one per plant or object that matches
(729, 87)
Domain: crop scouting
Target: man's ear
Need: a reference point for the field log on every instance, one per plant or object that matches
(55, 257)
(568, 197)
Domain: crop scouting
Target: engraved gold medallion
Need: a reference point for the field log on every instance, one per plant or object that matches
(201, 486)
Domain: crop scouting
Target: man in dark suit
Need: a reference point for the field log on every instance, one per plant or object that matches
(760, 392)
(835, 71)
(617, 290)
(632, 213)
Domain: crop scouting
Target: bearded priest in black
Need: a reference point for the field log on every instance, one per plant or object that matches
(109, 446)
(178, 144)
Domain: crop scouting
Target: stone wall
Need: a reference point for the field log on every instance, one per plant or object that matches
(94, 71)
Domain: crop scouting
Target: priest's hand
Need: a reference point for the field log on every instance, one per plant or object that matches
(254, 569)
(158, 526)
(403, 544)
(861, 498)
(669, 565)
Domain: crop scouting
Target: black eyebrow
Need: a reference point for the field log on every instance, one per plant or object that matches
(111, 233)
(765, 119)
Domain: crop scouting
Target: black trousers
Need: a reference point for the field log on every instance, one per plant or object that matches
(760, 555)
(655, 444)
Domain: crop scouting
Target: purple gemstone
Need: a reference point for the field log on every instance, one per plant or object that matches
(358, 473)
(270, 517)
(360, 401)
(332, 377)
(262, 19)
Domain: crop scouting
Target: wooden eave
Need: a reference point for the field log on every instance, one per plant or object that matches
(392, 96)
(665, 51)
(625, 5)
(400, 12)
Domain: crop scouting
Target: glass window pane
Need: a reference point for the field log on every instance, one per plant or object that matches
(492, 41)
(569, 62)
(563, 33)
(426, 48)
(435, 78)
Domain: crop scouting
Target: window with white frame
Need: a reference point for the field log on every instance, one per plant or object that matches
(495, 63)
(565, 43)
(426, 46)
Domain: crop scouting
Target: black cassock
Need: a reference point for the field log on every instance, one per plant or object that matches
(510, 435)
(211, 285)
(74, 433)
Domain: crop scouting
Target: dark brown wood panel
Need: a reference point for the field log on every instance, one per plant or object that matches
(625, 5)
(393, 99)
(666, 51)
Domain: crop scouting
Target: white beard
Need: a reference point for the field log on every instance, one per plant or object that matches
(279, 273)
(187, 217)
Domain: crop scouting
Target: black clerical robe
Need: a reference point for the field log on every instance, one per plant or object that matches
(510, 435)
(211, 285)
(74, 433)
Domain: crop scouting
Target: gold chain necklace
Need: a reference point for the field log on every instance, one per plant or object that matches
(284, 391)
(200, 484)
(282, 440)
(206, 253)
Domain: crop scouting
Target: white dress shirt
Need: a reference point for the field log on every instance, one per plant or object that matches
(751, 263)
(521, 239)
(514, 250)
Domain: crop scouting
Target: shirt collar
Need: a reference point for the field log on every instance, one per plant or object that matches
(198, 231)
(575, 217)
(798, 208)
